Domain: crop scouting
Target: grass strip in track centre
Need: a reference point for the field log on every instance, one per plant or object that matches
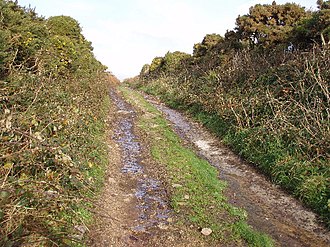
(196, 191)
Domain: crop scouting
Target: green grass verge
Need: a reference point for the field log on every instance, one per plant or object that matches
(196, 191)
(307, 180)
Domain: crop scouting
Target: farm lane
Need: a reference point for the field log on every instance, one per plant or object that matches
(134, 208)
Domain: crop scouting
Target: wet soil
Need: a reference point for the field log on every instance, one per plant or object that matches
(133, 209)
(270, 209)
(151, 205)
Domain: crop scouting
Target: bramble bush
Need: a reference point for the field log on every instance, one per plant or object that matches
(53, 118)
(269, 104)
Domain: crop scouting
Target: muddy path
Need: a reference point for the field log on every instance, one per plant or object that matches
(133, 209)
(151, 205)
(269, 208)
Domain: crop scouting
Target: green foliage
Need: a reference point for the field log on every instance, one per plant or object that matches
(197, 179)
(156, 64)
(53, 47)
(53, 106)
(269, 24)
(315, 29)
(64, 26)
(21, 44)
(145, 70)
(69, 51)
(169, 63)
(271, 106)
(210, 41)
(252, 237)
(172, 60)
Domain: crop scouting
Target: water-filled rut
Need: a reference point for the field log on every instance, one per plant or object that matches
(269, 208)
(150, 196)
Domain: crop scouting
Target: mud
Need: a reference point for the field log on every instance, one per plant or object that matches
(151, 205)
(133, 208)
(270, 209)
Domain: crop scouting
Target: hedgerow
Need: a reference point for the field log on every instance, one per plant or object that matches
(52, 141)
(268, 103)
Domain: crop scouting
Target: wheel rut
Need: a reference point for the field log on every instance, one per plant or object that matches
(133, 209)
(151, 205)
(270, 209)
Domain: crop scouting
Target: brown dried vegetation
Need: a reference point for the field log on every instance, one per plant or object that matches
(53, 104)
(271, 104)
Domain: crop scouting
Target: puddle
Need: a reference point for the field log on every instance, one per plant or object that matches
(152, 202)
(125, 137)
(152, 207)
(270, 209)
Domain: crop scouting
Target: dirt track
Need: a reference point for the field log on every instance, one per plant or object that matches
(270, 209)
(134, 208)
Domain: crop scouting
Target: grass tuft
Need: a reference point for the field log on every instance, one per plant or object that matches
(195, 189)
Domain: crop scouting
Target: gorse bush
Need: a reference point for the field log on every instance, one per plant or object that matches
(53, 103)
(269, 103)
(21, 44)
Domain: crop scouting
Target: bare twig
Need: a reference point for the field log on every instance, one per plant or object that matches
(35, 97)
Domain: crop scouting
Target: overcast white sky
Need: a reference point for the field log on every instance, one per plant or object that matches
(126, 34)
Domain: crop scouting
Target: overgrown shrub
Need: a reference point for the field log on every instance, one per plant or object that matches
(270, 104)
(53, 110)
